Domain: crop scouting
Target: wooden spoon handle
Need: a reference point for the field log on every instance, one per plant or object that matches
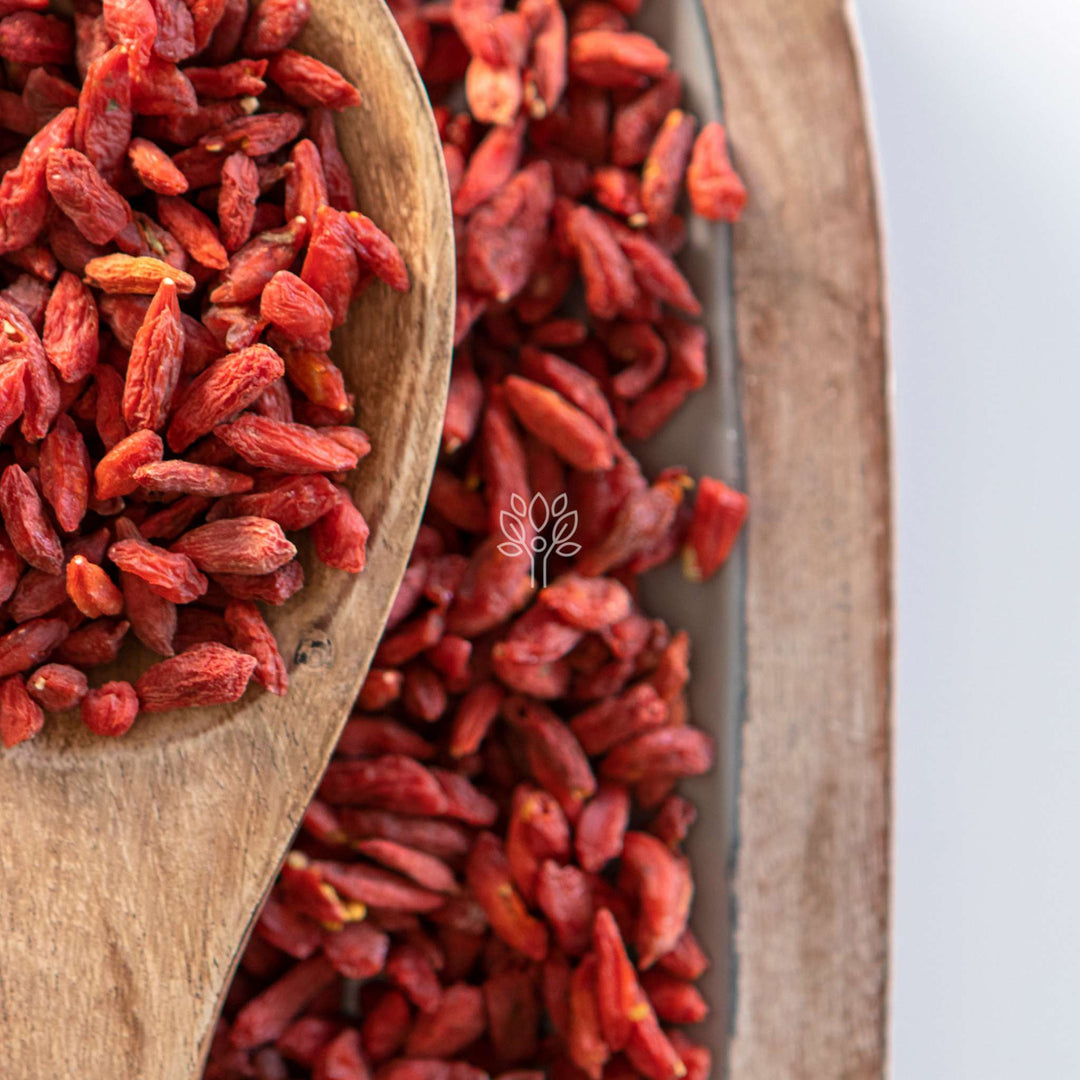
(124, 902)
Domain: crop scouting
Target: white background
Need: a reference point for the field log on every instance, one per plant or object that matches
(977, 111)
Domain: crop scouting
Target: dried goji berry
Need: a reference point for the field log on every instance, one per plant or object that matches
(488, 875)
(135, 274)
(664, 752)
(310, 82)
(491, 165)
(298, 311)
(155, 168)
(240, 78)
(719, 513)
(11, 567)
(70, 334)
(16, 115)
(571, 433)
(209, 674)
(169, 523)
(256, 262)
(609, 278)
(28, 528)
(114, 474)
(94, 643)
(30, 643)
(227, 386)
(665, 167)
(95, 206)
(673, 1000)
(111, 709)
(273, 24)
(613, 59)
(585, 1041)
(155, 361)
(236, 199)
(507, 235)
(459, 1020)
(168, 574)
(267, 1016)
(547, 74)
(91, 589)
(277, 445)
(103, 126)
(601, 828)
(716, 192)
(495, 93)
(295, 503)
(389, 782)
(341, 1059)
(331, 266)
(143, 236)
(655, 272)
(272, 588)
(160, 88)
(251, 635)
(341, 534)
(132, 23)
(313, 373)
(175, 38)
(57, 687)
(385, 1026)
(242, 545)
(380, 888)
(377, 251)
(207, 17)
(30, 38)
(357, 951)
(189, 478)
(24, 198)
(64, 470)
(152, 616)
(660, 882)
(30, 295)
(696, 1059)
(341, 193)
(35, 258)
(195, 231)
(21, 717)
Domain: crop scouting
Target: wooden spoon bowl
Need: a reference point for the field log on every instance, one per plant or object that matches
(130, 870)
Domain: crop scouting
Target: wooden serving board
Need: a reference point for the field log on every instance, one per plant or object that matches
(812, 877)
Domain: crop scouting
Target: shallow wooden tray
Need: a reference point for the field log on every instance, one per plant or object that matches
(812, 870)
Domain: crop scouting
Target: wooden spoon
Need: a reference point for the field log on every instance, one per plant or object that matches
(130, 870)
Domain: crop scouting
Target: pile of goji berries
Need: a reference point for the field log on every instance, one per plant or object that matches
(491, 880)
(156, 222)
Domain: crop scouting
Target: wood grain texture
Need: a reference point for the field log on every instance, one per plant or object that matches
(812, 871)
(129, 870)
